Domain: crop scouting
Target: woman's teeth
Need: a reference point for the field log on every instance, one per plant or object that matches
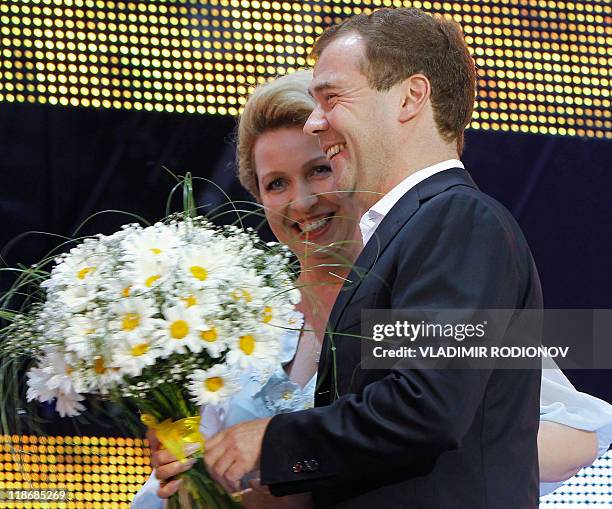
(317, 225)
(332, 151)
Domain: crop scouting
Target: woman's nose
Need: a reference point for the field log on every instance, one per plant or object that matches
(304, 200)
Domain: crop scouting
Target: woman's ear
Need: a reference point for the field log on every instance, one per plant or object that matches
(415, 92)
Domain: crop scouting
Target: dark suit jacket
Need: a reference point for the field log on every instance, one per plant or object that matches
(420, 439)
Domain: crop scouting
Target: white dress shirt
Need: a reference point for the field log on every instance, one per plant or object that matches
(374, 216)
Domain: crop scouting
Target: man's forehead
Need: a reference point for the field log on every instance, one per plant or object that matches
(343, 55)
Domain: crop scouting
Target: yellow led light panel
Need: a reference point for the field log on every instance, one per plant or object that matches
(71, 472)
(544, 66)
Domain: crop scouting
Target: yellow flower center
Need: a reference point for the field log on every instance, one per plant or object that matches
(242, 295)
(130, 321)
(99, 366)
(247, 344)
(209, 335)
(155, 251)
(287, 395)
(198, 272)
(126, 291)
(214, 383)
(82, 274)
(190, 301)
(150, 280)
(179, 329)
(139, 349)
(69, 370)
(267, 314)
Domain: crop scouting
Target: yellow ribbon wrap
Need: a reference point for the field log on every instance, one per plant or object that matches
(174, 436)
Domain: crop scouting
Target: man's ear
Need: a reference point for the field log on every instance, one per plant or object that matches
(415, 92)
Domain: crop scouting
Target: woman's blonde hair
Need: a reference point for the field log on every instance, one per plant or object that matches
(283, 102)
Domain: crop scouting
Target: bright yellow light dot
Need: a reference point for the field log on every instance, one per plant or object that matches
(155, 251)
(179, 329)
(247, 344)
(214, 383)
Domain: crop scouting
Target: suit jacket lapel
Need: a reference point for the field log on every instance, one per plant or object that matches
(391, 224)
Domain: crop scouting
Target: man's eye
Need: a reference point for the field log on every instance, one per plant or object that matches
(275, 185)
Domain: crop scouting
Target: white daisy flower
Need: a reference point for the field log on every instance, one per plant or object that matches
(79, 334)
(253, 350)
(38, 386)
(134, 316)
(248, 288)
(102, 372)
(146, 272)
(158, 241)
(80, 267)
(135, 354)
(59, 371)
(206, 299)
(68, 403)
(212, 386)
(76, 298)
(214, 338)
(180, 331)
(280, 315)
(206, 265)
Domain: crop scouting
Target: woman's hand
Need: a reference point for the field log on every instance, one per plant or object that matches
(563, 451)
(167, 466)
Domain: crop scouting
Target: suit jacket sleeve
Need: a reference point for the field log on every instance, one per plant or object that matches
(456, 252)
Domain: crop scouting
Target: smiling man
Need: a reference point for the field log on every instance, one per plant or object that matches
(394, 92)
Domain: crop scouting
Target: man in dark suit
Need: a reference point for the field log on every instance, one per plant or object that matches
(394, 92)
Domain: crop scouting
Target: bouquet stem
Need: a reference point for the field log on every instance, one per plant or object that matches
(199, 491)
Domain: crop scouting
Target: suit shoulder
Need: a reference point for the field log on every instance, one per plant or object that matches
(462, 200)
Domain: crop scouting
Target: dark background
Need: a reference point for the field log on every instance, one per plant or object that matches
(60, 165)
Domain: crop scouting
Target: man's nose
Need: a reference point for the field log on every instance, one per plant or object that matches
(316, 122)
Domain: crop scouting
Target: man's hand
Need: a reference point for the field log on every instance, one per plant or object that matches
(167, 466)
(234, 452)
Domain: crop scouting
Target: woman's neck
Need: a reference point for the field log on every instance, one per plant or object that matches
(319, 286)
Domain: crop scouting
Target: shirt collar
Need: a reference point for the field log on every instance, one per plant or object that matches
(374, 216)
(385, 204)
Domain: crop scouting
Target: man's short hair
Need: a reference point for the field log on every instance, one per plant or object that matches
(403, 42)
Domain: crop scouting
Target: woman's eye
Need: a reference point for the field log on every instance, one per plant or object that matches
(321, 170)
(275, 185)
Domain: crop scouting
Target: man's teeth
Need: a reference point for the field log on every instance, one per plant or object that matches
(317, 225)
(333, 150)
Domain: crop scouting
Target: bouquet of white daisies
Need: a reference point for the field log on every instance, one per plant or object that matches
(162, 319)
